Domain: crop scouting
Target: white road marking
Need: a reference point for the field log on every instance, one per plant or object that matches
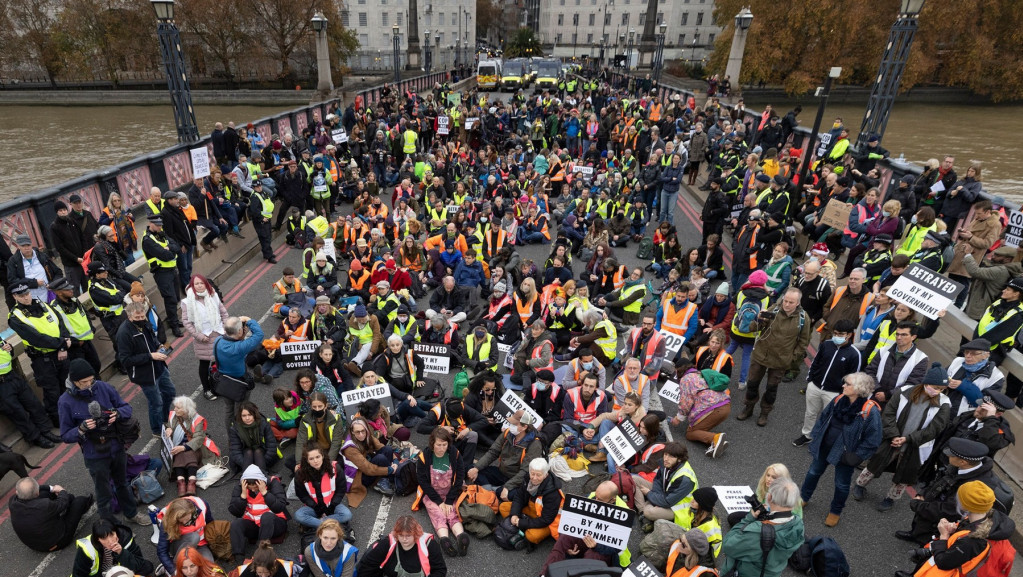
(380, 525)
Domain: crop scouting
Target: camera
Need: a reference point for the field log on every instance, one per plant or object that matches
(767, 315)
(756, 507)
(919, 555)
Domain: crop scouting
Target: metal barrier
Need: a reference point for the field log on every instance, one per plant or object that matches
(370, 96)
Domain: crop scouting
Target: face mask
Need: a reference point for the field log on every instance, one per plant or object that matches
(931, 391)
(489, 394)
(513, 430)
(886, 213)
(542, 386)
(913, 220)
(480, 333)
(588, 365)
(141, 324)
(318, 414)
(838, 340)
(484, 219)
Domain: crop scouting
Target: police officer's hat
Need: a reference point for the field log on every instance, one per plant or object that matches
(60, 284)
(1000, 400)
(18, 286)
(965, 449)
(1016, 284)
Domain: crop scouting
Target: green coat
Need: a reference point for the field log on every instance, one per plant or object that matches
(742, 546)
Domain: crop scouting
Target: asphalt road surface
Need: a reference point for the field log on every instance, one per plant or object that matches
(865, 534)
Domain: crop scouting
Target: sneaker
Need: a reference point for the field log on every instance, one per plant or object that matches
(801, 441)
(142, 518)
(885, 504)
(858, 492)
(462, 542)
(210, 395)
(719, 446)
(742, 385)
(383, 486)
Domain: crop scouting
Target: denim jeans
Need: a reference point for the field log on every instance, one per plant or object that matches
(112, 469)
(307, 517)
(185, 266)
(747, 352)
(160, 398)
(383, 458)
(603, 429)
(668, 206)
(843, 480)
(531, 237)
(662, 269)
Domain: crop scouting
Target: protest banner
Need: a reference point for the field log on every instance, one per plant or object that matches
(298, 355)
(672, 342)
(165, 453)
(1014, 232)
(623, 442)
(924, 290)
(836, 214)
(338, 135)
(443, 125)
(454, 99)
(670, 392)
(641, 567)
(436, 358)
(200, 162)
(734, 497)
(351, 400)
(608, 524)
(510, 403)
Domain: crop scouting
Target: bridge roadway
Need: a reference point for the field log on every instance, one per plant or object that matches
(865, 534)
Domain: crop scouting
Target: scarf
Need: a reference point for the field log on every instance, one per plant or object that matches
(846, 410)
(204, 312)
(249, 434)
(329, 556)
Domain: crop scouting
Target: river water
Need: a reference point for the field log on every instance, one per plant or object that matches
(52, 144)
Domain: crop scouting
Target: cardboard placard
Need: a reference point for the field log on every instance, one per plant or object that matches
(608, 524)
(836, 214)
(470, 123)
(298, 355)
(510, 403)
(351, 400)
(672, 342)
(737, 208)
(436, 358)
(733, 497)
(454, 99)
(200, 162)
(587, 170)
(443, 125)
(504, 348)
(339, 135)
(670, 392)
(622, 442)
(165, 452)
(1014, 232)
(924, 290)
(641, 567)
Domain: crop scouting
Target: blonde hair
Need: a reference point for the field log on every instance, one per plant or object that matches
(893, 206)
(177, 509)
(779, 470)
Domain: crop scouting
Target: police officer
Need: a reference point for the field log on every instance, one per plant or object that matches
(162, 255)
(107, 296)
(20, 405)
(261, 210)
(1002, 321)
(77, 321)
(47, 341)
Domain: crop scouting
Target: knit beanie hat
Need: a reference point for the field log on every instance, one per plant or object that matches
(80, 369)
(758, 278)
(706, 498)
(697, 541)
(137, 289)
(936, 376)
(722, 289)
(976, 497)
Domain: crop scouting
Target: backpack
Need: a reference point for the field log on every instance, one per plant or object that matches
(508, 536)
(218, 536)
(746, 318)
(646, 249)
(1000, 557)
(405, 478)
(1004, 497)
(821, 557)
(86, 259)
(146, 487)
(621, 479)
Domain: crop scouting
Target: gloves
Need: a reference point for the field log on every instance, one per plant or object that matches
(875, 156)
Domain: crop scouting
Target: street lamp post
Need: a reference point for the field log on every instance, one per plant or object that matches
(621, 46)
(603, 29)
(893, 63)
(396, 31)
(429, 56)
(325, 84)
(743, 20)
(436, 45)
(458, 48)
(659, 53)
(177, 73)
(804, 167)
(628, 53)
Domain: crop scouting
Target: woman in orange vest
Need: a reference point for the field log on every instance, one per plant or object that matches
(260, 506)
(527, 302)
(441, 477)
(689, 556)
(186, 429)
(183, 526)
(321, 489)
(420, 553)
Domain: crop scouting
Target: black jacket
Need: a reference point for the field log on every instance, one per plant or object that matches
(425, 478)
(39, 522)
(177, 227)
(549, 406)
(67, 237)
(399, 390)
(715, 210)
(551, 496)
(237, 448)
(381, 561)
(292, 187)
(16, 266)
(276, 499)
(471, 418)
(315, 501)
(134, 346)
(832, 363)
(130, 557)
(453, 301)
(714, 261)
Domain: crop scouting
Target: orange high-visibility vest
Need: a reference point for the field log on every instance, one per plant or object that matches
(199, 422)
(525, 309)
(585, 413)
(677, 321)
(719, 361)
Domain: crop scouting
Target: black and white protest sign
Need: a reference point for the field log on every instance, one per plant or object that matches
(622, 442)
(200, 162)
(1014, 232)
(672, 342)
(165, 453)
(734, 497)
(510, 403)
(443, 125)
(338, 135)
(737, 208)
(436, 358)
(608, 524)
(298, 355)
(924, 290)
(351, 400)
(641, 567)
(670, 392)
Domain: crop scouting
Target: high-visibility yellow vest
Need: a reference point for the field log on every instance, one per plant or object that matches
(47, 324)
(152, 260)
(610, 342)
(636, 305)
(5, 362)
(266, 205)
(410, 137)
(470, 346)
(77, 322)
(364, 335)
(113, 309)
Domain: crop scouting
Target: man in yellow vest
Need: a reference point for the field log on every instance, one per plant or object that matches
(261, 210)
(76, 320)
(47, 341)
(162, 254)
(627, 302)
(107, 296)
(409, 139)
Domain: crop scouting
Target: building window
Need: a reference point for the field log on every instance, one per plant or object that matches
(429, 20)
(696, 39)
(401, 19)
(685, 18)
(660, 18)
(574, 38)
(441, 42)
(589, 38)
(575, 19)
(561, 19)
(625, 19)
(362, 19)
(383, 19)
(593, 19)
(607, 19)
(454, 19)
(710, 39)
(346, 19)
(642, 18)
(681, 39)
(557, 39)
(699, 18)
(561, 2)
(362, 1)
(577, 2)
(363, 39)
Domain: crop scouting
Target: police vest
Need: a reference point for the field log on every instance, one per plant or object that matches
(609, 343)
(155, 262)
(112, 290)
(988, 322)
(5, 362)
(77, 322)
(47, 324)
(484, 352)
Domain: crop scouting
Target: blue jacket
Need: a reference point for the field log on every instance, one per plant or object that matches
(862, 436)
(470, 276)
(671, 178)
(73, 409)
(694, 321)
(572, 127)
(230, 354)
(451, 260)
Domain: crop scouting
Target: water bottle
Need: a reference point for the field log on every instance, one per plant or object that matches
(153, 511)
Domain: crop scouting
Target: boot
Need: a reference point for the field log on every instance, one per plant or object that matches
(764, 411)
(747, 411)
(182, 490)
(191, 487)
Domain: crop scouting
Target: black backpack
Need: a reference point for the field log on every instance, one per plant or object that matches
(406, 480)
(821, 557)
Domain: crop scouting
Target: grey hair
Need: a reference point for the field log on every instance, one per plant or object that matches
(795, 291)
(186, 403)
(540, 465)
(755, 213)
(394, 338)
(135, 308)
(103, 231)
(862, 382)
(27, 488)
(594, 315)
(860, 270)
(233, 327)
(631, 359)
(538, 324)
(784, 493)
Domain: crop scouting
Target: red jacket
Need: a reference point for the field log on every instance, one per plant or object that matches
(400, 280)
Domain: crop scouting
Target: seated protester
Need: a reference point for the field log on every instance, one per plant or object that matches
(560, 318)
(327, 324)
(318, 427)
(251, 440)
(741, 545)
(260, 506)
(482, 395)
(404, 325)
(503, 466)
(320, 486)
(109, 545)
(986, 424)
(690, 554)
(713, 355)
(670, 489)
(631, 409)
(384, 303)
(504, 322)
(971, 376)
(632, 380)
(368, 462)
(666, 256)
(648, 346)
(535, 353)
(330, 554)
(461, 423)
(441, 476)
(704, 403)
(322, 277)
(448, 302)
(405, 372)
(557, 271)
(648, 458)
(836, 359)
(583, 405)
(547, 398)
(712, 257)
(397, 278)
(287, 412)
(307, 382)
(45, 517)
(715, 313)
(569, 375)
(288, 292)
(265, 362)
(535, 506)
(619, 228)
(186, 429)
(533, 228)
(183, 525)
(327, 364)
(358, 281)
(587, 548)
(967, 461)
(265, 563)
(961, 547)
(480, 352)
(407, 406)
(627, 301)
(366, 340)
(189, 561)
(700, 515)
(405, 551)
(379, 420)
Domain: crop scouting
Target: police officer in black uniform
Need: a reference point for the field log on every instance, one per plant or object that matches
(47, 341)
(162, 254)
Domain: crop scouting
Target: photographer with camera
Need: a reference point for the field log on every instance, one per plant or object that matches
(89, 410)
(761, 544)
